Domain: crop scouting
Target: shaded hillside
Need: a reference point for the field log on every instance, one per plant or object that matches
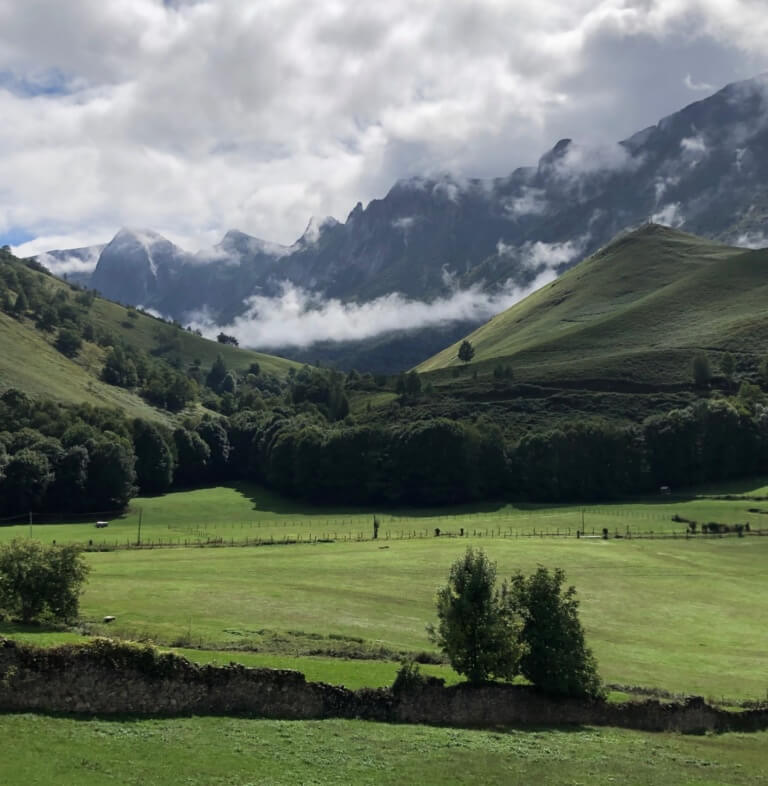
(635, 311)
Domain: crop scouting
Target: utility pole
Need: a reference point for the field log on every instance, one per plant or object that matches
(138, 534)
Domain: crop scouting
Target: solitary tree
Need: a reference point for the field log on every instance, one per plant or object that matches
(556, 658)
(41, 582)
(701, 370)
(476, 629)
(466, 351)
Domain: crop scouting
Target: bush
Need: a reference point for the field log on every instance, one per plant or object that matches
(41, 582)
(408, 677)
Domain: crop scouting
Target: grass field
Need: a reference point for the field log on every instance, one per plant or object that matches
(684, 616)
(237, 512)
(210, 750)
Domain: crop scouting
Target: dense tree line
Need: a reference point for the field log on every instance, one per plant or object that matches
(61, 458)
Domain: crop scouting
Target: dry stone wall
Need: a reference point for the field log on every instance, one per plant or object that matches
(106, 677)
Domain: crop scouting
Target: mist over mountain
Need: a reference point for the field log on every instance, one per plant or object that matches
(437, 255)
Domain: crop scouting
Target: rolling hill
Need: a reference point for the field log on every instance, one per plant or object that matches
(30, 362)
(635, 311)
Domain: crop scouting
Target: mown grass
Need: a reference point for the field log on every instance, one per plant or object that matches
(214, 750)
(244, 511)
(684, 616)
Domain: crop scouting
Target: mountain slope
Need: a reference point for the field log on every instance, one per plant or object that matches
(636, 310)
(30, 362)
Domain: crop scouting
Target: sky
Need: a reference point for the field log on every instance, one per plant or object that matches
(192, 117)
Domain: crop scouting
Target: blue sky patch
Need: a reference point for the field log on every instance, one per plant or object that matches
(15, 236)
(48, 83)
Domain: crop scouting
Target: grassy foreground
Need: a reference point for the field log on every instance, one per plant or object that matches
(205, 751)
(685, 616)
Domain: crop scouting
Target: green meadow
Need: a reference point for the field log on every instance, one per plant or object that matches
(244, 512)
(686, 616)
(681, 615)
(201, 751)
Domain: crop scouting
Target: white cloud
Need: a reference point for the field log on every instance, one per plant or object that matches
(692, 84)
(670, 215)
(404, 223)
(195, 117)
(300, 318)
(753, 240)
(72, 263)
(530, 202)
(538, 255)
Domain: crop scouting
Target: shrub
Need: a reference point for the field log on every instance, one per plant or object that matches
(408, 677)
(41, 582)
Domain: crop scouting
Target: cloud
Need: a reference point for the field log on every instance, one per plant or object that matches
(691, 84)
(541, 256)
(404, 223)
(298, 318)
(196, 117)
(670, 215)
(531, 202)
(62, 264)
(752, 240)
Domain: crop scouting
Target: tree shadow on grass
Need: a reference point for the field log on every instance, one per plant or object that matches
(268, 501)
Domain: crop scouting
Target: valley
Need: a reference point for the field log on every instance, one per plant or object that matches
(491, 454)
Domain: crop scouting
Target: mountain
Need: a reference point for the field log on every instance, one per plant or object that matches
(703, 169)
(634, 312)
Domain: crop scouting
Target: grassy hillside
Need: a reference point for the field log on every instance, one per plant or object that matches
(30, 362)
(148, 333)
(636, 311)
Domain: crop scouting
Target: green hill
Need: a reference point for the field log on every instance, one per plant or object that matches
(635, 311)
(30, 362)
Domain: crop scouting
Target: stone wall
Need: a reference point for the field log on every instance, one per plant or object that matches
(106, 677)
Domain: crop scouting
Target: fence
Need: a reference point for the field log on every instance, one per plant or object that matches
(402, 535)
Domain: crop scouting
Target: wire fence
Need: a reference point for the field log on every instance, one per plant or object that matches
(388, 536)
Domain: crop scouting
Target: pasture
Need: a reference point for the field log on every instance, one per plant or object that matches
(247, 513)
(686, 616)
(210, 750)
